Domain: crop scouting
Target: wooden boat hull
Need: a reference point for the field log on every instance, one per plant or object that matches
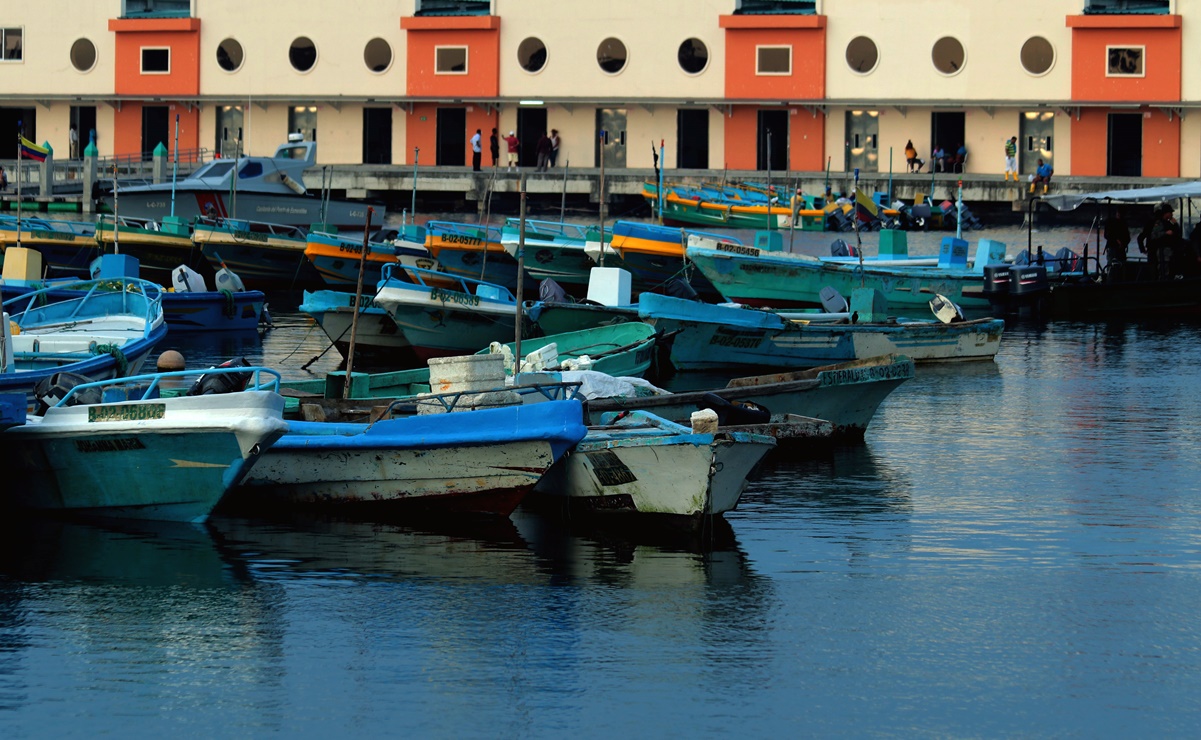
(713, 337)
(484, 462)
(846, 395)
(774, 280)
(685, 475)
(67, 248)
(167, 459)
(443, 323)
(729, 214)
(337, 260)
(378, 341)
(260, 261)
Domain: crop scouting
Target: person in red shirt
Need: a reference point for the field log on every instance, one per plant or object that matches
(511, 141)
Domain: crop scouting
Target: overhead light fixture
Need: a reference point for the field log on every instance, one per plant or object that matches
(530, 102)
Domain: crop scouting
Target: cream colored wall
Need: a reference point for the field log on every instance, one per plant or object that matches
(266, 31)
(651, 31)
(986, 136)
(992, 34)
(50, 28)
(1190, 147)
(1190, 59)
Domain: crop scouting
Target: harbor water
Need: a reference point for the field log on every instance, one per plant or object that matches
(1015, 550)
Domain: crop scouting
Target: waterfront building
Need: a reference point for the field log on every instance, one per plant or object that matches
(1097, 87)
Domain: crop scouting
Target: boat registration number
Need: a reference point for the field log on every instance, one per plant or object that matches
(453, 296)
(141, 412)
(738, 249)
(897, 371)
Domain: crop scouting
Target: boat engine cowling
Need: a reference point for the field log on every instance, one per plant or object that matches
(211, 383)
(50, 390)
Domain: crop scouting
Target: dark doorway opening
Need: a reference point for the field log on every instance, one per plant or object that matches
(12, 122)
(83, 118)
(452, 137)
(772, 141)
(946, 131)
(377, 136)
(156, 128)
(531, 124)
(1125, 145)
(692, 135)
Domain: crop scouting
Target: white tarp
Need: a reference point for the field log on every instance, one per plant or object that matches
(1138, 195)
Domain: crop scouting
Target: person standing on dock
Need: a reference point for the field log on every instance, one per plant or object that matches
(494, 148)
(1011, 158)
(544, 149)
(511, 142)
(554, 147)
(476, 150)
(73, 141)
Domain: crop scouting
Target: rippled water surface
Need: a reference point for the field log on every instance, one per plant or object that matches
(1013, 552)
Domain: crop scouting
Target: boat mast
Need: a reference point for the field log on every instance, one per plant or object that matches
(175, 166)
(358, 305)
(601, 263)
(520, 280)
(17, 174)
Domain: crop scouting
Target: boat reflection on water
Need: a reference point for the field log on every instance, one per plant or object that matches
(839, 482)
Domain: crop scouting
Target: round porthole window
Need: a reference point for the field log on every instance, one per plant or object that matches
(83, 55)
(862, 55)
(302, 54)
(531, 54)
(377, 55)
(229, 55)
(693, 56)
(1037, 55)
(611, 55)
(948, 55)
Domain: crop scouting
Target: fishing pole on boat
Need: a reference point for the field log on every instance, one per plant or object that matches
(354, 319)
(416, 157)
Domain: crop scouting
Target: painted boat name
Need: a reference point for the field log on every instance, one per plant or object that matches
(738, 249)
(452, 296)
(896, 371)
(117, 444)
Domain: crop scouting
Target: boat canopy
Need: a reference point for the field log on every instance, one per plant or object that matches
(1155, 194)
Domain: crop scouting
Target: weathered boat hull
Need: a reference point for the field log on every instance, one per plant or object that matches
(774, 280)
(169, 459)
(261, 265)
(293, 210)
(444, 323)
(378, 341)
(484, 462)
(846, 395)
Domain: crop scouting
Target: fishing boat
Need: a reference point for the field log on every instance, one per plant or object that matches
(640, 463)
(473, 251)
(718, 337)
(474, 462)
(686, 205)
(619, 350)
(771, 279)
(159, 248)
(555, 250)
(131, 453)
(269, 189)
(847, 395)
(104, 332)
(557, 317)
(654, 256)
(336, 257)
(265, 255)
(66, 247)
(378, 341)
(445, 321)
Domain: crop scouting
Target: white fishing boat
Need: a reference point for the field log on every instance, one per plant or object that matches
(639, 463)
(143, 456)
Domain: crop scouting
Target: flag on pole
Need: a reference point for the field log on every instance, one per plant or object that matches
(29, 150)
(865, 206)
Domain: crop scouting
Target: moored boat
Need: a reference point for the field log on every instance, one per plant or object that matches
(473, 251)
(336, 258)
(159, 248)
(66, 247)
(143, 456)
(639, 463)
(619, 350)
(378, 341)
(555, 250)
(685, 205)
(265, 255)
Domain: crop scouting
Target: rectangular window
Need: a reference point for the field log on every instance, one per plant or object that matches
(10, 44)
(156, 60)
(1124, 61)
(773, 60)
(1122, 7)
(156, 8)
(450, 60)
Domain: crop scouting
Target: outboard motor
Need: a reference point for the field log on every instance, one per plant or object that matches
(996, 284)
(734, 412)
(839, 248)
(52, 389)
(209, 384)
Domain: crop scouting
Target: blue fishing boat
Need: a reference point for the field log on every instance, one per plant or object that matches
(712, 337)
(336, 257)
(378, 341)
(265, 255)
(67, 248)
(556, 250)
(446, 321)
(639, 463)
(473, 251)
(107, 331)
(480, 462)
(119, 448)
(654, 256)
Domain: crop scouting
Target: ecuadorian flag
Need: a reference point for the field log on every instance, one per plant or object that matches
(865, 205)
(29, 150)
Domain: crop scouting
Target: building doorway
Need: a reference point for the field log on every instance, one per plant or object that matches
(302, 120)
(377, 136)
(611, 137)
(12, 122)
(863, 135)
(1035, 141)
(1125, 145)
(156, 128)
(772, 141)
(83, 118)
(229, 130)
(451, 146)
(946, 131)
(531, 124)
(692, 139)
